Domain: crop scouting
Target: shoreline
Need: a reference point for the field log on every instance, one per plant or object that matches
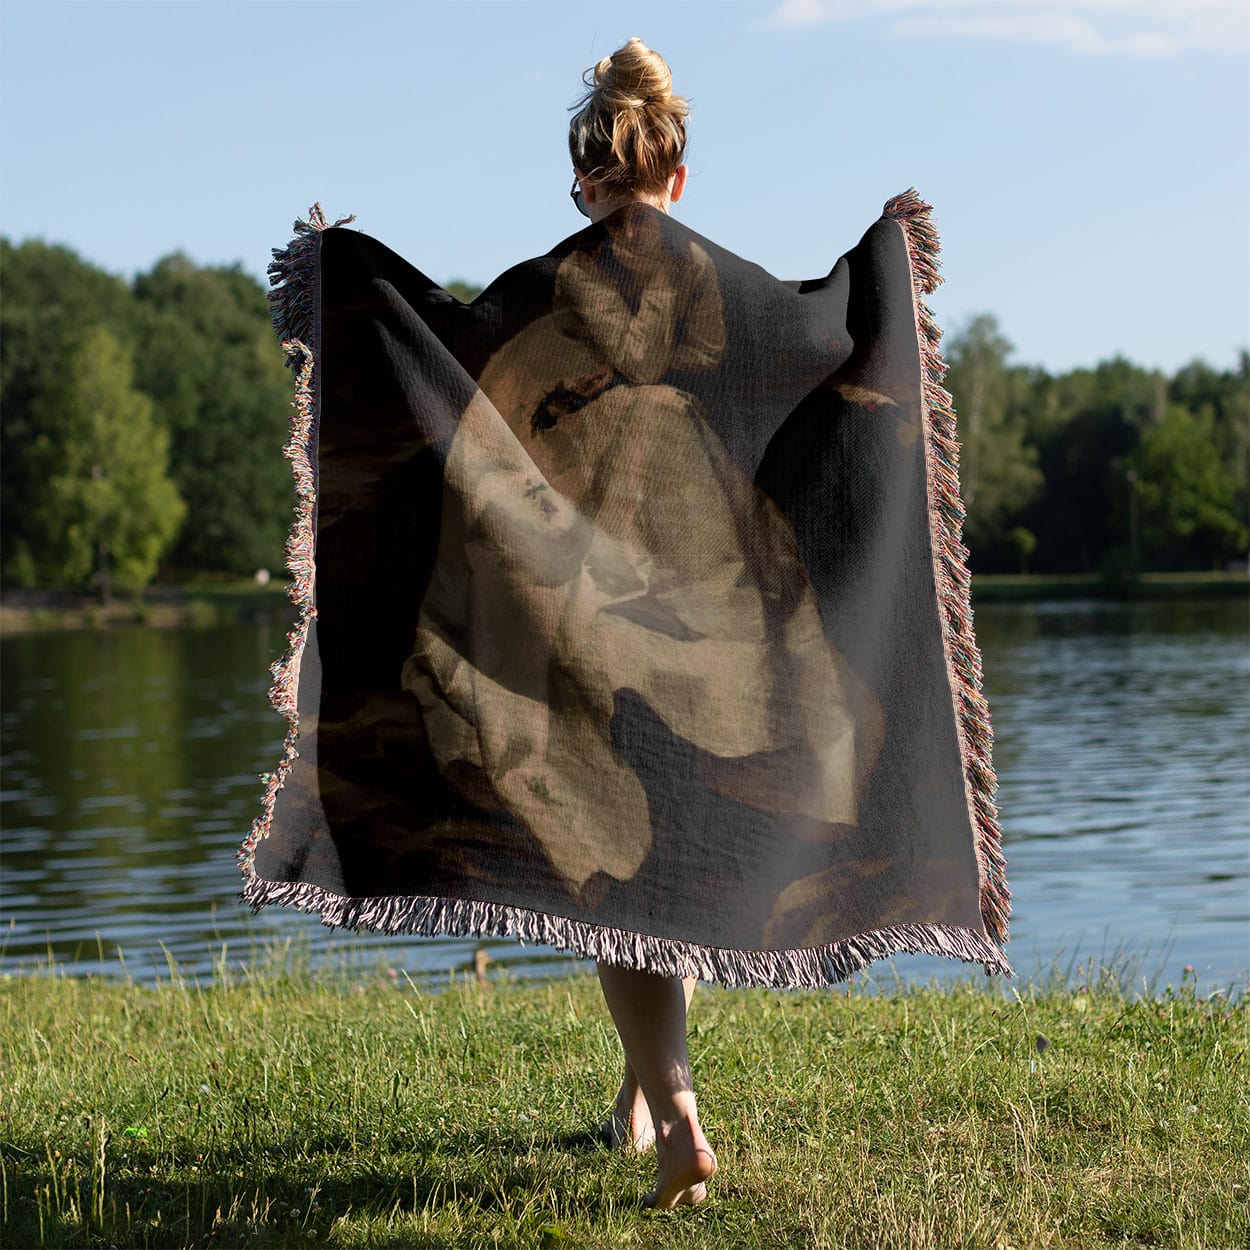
(177, 605)
(206, 604)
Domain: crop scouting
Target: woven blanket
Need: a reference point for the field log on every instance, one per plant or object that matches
(633, 613)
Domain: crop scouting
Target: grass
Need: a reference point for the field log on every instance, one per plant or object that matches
(290, 1108)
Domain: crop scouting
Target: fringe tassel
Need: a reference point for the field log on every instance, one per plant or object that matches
(293, 275)
(810, 968)
(300, 547)
(294, 303)
(954, 583)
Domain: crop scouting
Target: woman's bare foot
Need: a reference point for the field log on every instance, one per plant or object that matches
(649, 1011)
(629, 1125)
(686, 1165)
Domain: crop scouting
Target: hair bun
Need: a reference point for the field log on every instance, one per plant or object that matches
(629, 131)
(633, 77)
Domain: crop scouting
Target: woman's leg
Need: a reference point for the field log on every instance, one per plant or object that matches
(650, 1015)
(629, 1123)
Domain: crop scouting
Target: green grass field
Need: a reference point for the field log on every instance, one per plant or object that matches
(283, 1108)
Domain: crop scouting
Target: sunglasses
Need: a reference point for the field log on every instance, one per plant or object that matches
(576, 196)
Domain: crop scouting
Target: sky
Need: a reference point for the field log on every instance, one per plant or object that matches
(1088, 160)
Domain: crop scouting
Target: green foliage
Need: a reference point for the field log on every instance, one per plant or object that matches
(205, 356)
(465, 292)
(998, 468)
(1186, 490)
(1052, 456)
(1023, 542)
(1222, 401)
(208, 352)
(51, 299)
(105, 507)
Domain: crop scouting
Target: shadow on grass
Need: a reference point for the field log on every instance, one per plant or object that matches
(255, 1198)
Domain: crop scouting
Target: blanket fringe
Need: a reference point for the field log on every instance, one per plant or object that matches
(294, 294)
(954, 582)
(293, 302)
(809, 968)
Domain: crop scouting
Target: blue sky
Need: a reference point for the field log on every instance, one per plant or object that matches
(1088, 160)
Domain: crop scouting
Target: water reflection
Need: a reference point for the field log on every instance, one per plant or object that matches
(1124, 731)
(131, 757)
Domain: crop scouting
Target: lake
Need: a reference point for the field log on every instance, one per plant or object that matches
(1122, 734)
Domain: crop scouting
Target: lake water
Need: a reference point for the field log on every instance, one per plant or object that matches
(1122, 735)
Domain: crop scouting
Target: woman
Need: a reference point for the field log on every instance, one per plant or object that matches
(638, 623)
(628, 142)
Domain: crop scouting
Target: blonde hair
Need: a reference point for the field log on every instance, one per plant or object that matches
(629, 133)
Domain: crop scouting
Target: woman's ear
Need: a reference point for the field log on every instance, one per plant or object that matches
(678, 184)
(588, 186)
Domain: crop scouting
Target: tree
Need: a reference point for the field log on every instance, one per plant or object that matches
(51, 298)
(205, 353)
(1086, 425)
(464, 291)
(1223, 399)
(1186, 494)
(106, 507)
(208, 356)
(998, 471)
(1023, 543)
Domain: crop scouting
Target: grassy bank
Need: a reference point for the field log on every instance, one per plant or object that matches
(212, 603)
(989, 587)
(191, 603)
(287, 1110)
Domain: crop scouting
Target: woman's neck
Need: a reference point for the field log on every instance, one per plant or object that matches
(603, 207)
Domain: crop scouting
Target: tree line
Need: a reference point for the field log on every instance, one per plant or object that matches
(1112, 470)
(142, 422)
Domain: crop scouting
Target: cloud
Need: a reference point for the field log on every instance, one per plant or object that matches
(1137, 28)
